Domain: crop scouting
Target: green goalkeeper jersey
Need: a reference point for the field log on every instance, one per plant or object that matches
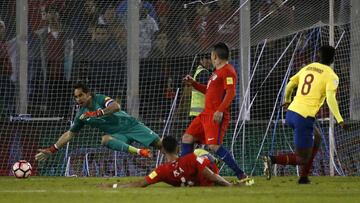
(112, 123)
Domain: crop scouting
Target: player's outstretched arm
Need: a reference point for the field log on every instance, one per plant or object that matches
(140, 183)
(111, 108)
(333, 106)
(45, 153)
(215, 177)
(188, 80)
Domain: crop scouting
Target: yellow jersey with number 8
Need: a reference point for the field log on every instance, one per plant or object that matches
(312, 82)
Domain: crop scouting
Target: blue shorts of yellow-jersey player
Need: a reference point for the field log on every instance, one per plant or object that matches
(303, 129)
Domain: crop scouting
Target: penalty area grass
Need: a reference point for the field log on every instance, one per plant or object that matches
(279, 189)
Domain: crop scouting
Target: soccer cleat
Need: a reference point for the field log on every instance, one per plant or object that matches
(244, 180)
(267, 167)
(304, 180)
(145, 153)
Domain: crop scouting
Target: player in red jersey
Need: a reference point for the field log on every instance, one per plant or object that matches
(209, 126)
(189, 170)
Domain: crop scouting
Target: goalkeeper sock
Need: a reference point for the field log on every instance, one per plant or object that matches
(186, 148)
(305, 170)
(286, 159)
(230, 161)
(133, 150)
(117, 145)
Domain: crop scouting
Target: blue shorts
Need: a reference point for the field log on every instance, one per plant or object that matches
(303, 129)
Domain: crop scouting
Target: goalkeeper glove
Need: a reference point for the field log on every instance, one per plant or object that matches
(91, 114)
(44, 153)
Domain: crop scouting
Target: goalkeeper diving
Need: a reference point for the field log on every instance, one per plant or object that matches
(103, 113)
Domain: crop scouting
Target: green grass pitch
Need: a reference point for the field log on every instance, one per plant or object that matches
(279, 189)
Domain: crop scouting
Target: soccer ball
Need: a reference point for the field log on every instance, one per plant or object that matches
(22, 169)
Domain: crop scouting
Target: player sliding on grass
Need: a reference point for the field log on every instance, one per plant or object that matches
(210, 125)
(188, 170)
(314, 83)
(104, 113)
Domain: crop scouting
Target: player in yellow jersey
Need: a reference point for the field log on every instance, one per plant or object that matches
(315, 83)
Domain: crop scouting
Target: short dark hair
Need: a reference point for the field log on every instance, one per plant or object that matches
(222, 50)
(82, 86)
(205, 56)
(169, 144)
(327, 54)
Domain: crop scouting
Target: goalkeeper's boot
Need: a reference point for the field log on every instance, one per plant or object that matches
(244, 180)
(145, 153)
(304, 180)
(267, 167)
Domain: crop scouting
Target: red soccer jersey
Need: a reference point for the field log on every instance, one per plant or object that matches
(222, 80)
(185, 171)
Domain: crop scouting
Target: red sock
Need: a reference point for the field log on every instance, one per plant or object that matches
(286, 159)
(305, 170)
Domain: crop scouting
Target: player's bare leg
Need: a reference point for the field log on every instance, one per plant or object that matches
(118, 145)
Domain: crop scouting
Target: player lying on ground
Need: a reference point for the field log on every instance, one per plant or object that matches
(314, 83)
(104, 113)
(188, 170)
(209, 126)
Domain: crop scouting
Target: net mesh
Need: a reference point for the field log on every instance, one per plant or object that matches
(86, 40)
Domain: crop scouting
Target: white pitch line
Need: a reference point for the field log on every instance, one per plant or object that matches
(56, 191)
(22, 191)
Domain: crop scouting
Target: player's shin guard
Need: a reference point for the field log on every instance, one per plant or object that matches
(186, 148)
(230, 161)
(117, 145)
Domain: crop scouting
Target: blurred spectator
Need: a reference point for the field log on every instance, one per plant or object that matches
(7, 86)
(167, 90)
(8, 16)
(160, 48)
(163, 9)
(202, 26)
(148, 27)
(186, 44)
(121, 10)
(38, 16)
(283, 15)
(120, 39)
(102, 47)
(109, 17)
(264, 9)
(83, 23)
(226, 27)
(55, 45)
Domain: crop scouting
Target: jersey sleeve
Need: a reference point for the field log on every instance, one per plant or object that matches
(229, 83)
(332, 83)
(77, 125)
(201, 163)
(229, 79)
(295, 79)
(155, 176)
(331, 87)
(105, 101)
